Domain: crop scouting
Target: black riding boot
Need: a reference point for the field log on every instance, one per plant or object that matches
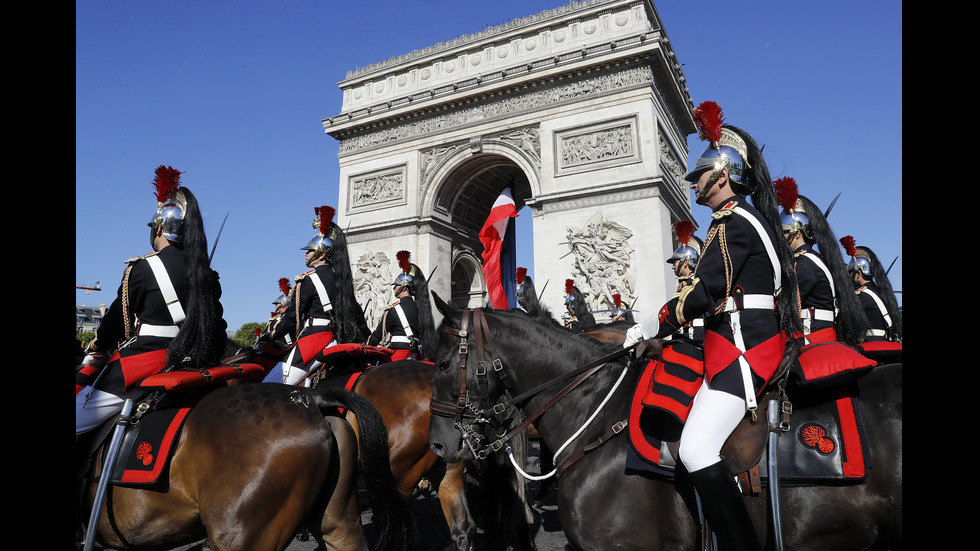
(723, 506)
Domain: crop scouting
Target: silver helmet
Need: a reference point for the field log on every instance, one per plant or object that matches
(689, 245)
(793, 216)
(405, 277)
(521, 278)
(726, 149)
(284, 288)
(860, 260)
(171, 203)
(320, 242)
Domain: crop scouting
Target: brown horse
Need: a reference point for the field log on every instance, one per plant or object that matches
(253, 464)
(401, 391)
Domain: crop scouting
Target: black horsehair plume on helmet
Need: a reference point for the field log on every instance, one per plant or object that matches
(579, 306)
(529, 296)
(757, 180)
(348, 315)
(201, 339)
(852, 324)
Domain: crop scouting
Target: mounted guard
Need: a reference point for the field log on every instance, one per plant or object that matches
(745, 287)
(875, 292)
(322, 310)
(167, 311)
(829, 313)
(407, 326)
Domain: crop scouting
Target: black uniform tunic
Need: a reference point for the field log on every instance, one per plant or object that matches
(735, 264)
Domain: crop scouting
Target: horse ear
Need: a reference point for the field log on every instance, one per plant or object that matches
(448, 310)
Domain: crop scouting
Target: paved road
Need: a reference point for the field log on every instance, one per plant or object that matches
(433, 533)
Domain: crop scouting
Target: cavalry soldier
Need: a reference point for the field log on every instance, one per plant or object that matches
(321, 310)
(406, 325)
(874, 291)
(167, 311)
(577, 315)
(829, 313)
(684, 261)
(745, 287)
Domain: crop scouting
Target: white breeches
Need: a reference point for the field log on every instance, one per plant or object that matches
(287, 373)
(101, 406)
(713, 416)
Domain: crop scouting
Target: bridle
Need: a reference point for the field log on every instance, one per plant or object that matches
(465, 413)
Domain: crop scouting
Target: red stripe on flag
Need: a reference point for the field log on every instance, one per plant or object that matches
(492, 237)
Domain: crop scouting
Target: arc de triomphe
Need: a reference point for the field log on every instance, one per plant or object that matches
(582, 110)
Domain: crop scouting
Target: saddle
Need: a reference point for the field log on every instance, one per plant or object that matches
(158, 416)
(815, 389)
(343, 364)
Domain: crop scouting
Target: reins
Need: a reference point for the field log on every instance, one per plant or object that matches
(460, 410)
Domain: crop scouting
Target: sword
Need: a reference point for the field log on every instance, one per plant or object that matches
(891, 265)
(121, 424)
(832, 203)
(773, 471)
(215, 246)
(541, 294)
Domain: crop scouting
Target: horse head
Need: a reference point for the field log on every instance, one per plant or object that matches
(466, 385)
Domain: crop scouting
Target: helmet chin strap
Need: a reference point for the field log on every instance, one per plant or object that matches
(712, 180)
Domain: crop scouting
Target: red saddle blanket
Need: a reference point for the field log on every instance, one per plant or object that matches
(825, 440)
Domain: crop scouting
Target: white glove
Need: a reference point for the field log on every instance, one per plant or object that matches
(633, 335)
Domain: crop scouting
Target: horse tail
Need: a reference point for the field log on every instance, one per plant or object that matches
(390, 511)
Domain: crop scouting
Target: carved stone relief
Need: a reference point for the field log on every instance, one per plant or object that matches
(379, 188)
(601, 265)
(547, 97)
(372, 278)
(528, 140)
(596, 146)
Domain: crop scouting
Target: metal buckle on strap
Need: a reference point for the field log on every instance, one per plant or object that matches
(481, 368)
(618, 427)
(498, 365)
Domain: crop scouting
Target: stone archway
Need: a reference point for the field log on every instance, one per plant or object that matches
(464, 187)
(584, 106)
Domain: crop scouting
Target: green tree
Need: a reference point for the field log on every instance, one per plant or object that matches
(245, 336)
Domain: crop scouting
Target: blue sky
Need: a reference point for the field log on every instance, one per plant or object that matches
(233, 92)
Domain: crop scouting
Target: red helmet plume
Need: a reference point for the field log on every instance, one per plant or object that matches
(521, 274)
(849, 245)
(284, 285)
(787, 192)
(166, 182)
(403, 260)
(569, 283)
(684, 230)
(709, 119)
(618, 300)
(324, 217)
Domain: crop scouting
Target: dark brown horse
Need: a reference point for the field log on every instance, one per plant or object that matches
(600, 506)
(254, 464)
(401, 391)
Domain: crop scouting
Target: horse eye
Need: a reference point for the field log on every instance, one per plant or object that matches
(443, 364)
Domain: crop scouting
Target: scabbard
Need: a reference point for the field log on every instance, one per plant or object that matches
(122, 423)
(773, 470)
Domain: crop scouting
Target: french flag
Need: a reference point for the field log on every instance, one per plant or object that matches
(493, 235)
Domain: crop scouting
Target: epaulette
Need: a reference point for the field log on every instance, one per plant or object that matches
(135, 258)
(304, 274)
(726, 210)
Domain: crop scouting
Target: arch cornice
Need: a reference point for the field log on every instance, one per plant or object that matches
(436, 181)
